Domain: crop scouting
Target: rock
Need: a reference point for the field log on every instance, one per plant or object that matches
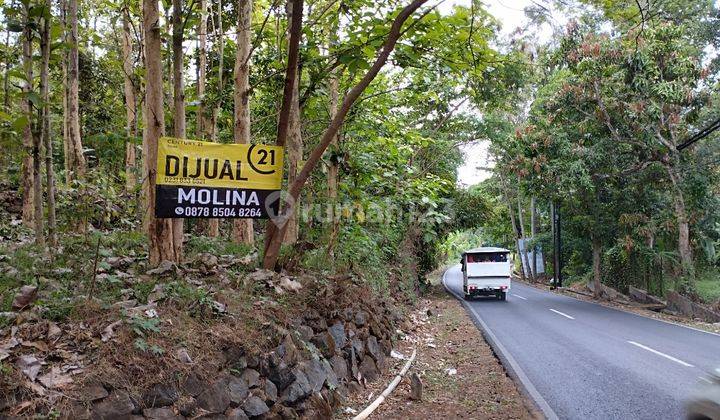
(161, 414)
(354, 370)
(373, 349)
(315, 374)
(258, 276)
(361, 318)
(290, 285)
(325, 342)
(24, 297)
(270, 389)
(186, 406)
(193, 386)
(92, 391)
(331, 379)
(254, 407)
(368, 369)
(118, 406)
(251, 377)
(124, 304)
(237, 389)
(642, 296)
(236, 414)
(299, 389)
(338, 333)
(166, 267)
(306, 333)
(339, 366)
(160, 395)
(318, 325)
(157, 294)
(215, 399)
(183, 356)
(358, 346)
(281, 376)
(287, 351)
(678, 303)
(416, 387)
(209, 261)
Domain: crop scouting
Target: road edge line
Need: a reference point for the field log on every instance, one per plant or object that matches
(508, 361)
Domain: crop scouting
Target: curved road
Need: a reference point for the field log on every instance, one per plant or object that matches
(580, 360)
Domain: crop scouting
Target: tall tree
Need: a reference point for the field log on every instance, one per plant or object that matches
(163, 242)
(275, 235)
(179, 101)
(28, 200)
(243, 228)
(75, 157)
(294, 141)
(202, 69)
(46, 140)
(214, 224)
(130, 105)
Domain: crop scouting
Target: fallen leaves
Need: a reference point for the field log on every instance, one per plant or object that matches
(29, 365)
(24, 297)
(109, 331)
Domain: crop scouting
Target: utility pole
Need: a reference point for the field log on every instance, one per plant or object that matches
(557, 257)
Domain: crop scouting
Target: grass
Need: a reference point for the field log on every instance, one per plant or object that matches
(708, 285)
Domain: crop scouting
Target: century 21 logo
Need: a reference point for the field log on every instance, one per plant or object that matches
(261, 157)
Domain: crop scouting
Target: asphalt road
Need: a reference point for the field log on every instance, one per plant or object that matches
(581, 360)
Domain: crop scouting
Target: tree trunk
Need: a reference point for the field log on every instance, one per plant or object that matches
(684, 248)
(45, 130)
(6, 84)
(333, 167)
(28, 212)
(130, 106)
(65, 86)
(243, 228)
(294, 146)
(179, 101)
(521, 222)
(597, 259)
(533, 233)
(76, 158)
(274, 234)
(202, 69)
(214, 224)
(161, 239)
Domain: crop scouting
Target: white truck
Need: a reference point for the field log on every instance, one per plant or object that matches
(486, 272)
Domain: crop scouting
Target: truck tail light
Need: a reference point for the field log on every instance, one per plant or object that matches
(503, 287)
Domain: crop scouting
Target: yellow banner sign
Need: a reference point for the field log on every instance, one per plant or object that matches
(211, 180)
(201, 163)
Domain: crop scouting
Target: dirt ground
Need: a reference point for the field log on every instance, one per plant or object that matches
(461, 376)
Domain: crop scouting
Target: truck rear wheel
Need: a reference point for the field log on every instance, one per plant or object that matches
(502, 296)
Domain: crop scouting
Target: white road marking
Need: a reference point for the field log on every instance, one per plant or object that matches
(704, 379)
(519, 297)
(560, 313)
(661, 354)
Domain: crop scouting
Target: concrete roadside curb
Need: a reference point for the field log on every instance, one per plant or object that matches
(511, 365)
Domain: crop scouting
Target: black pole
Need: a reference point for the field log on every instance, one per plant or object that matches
(557, 256)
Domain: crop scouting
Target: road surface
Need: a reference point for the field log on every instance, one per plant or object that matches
(580, 360)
